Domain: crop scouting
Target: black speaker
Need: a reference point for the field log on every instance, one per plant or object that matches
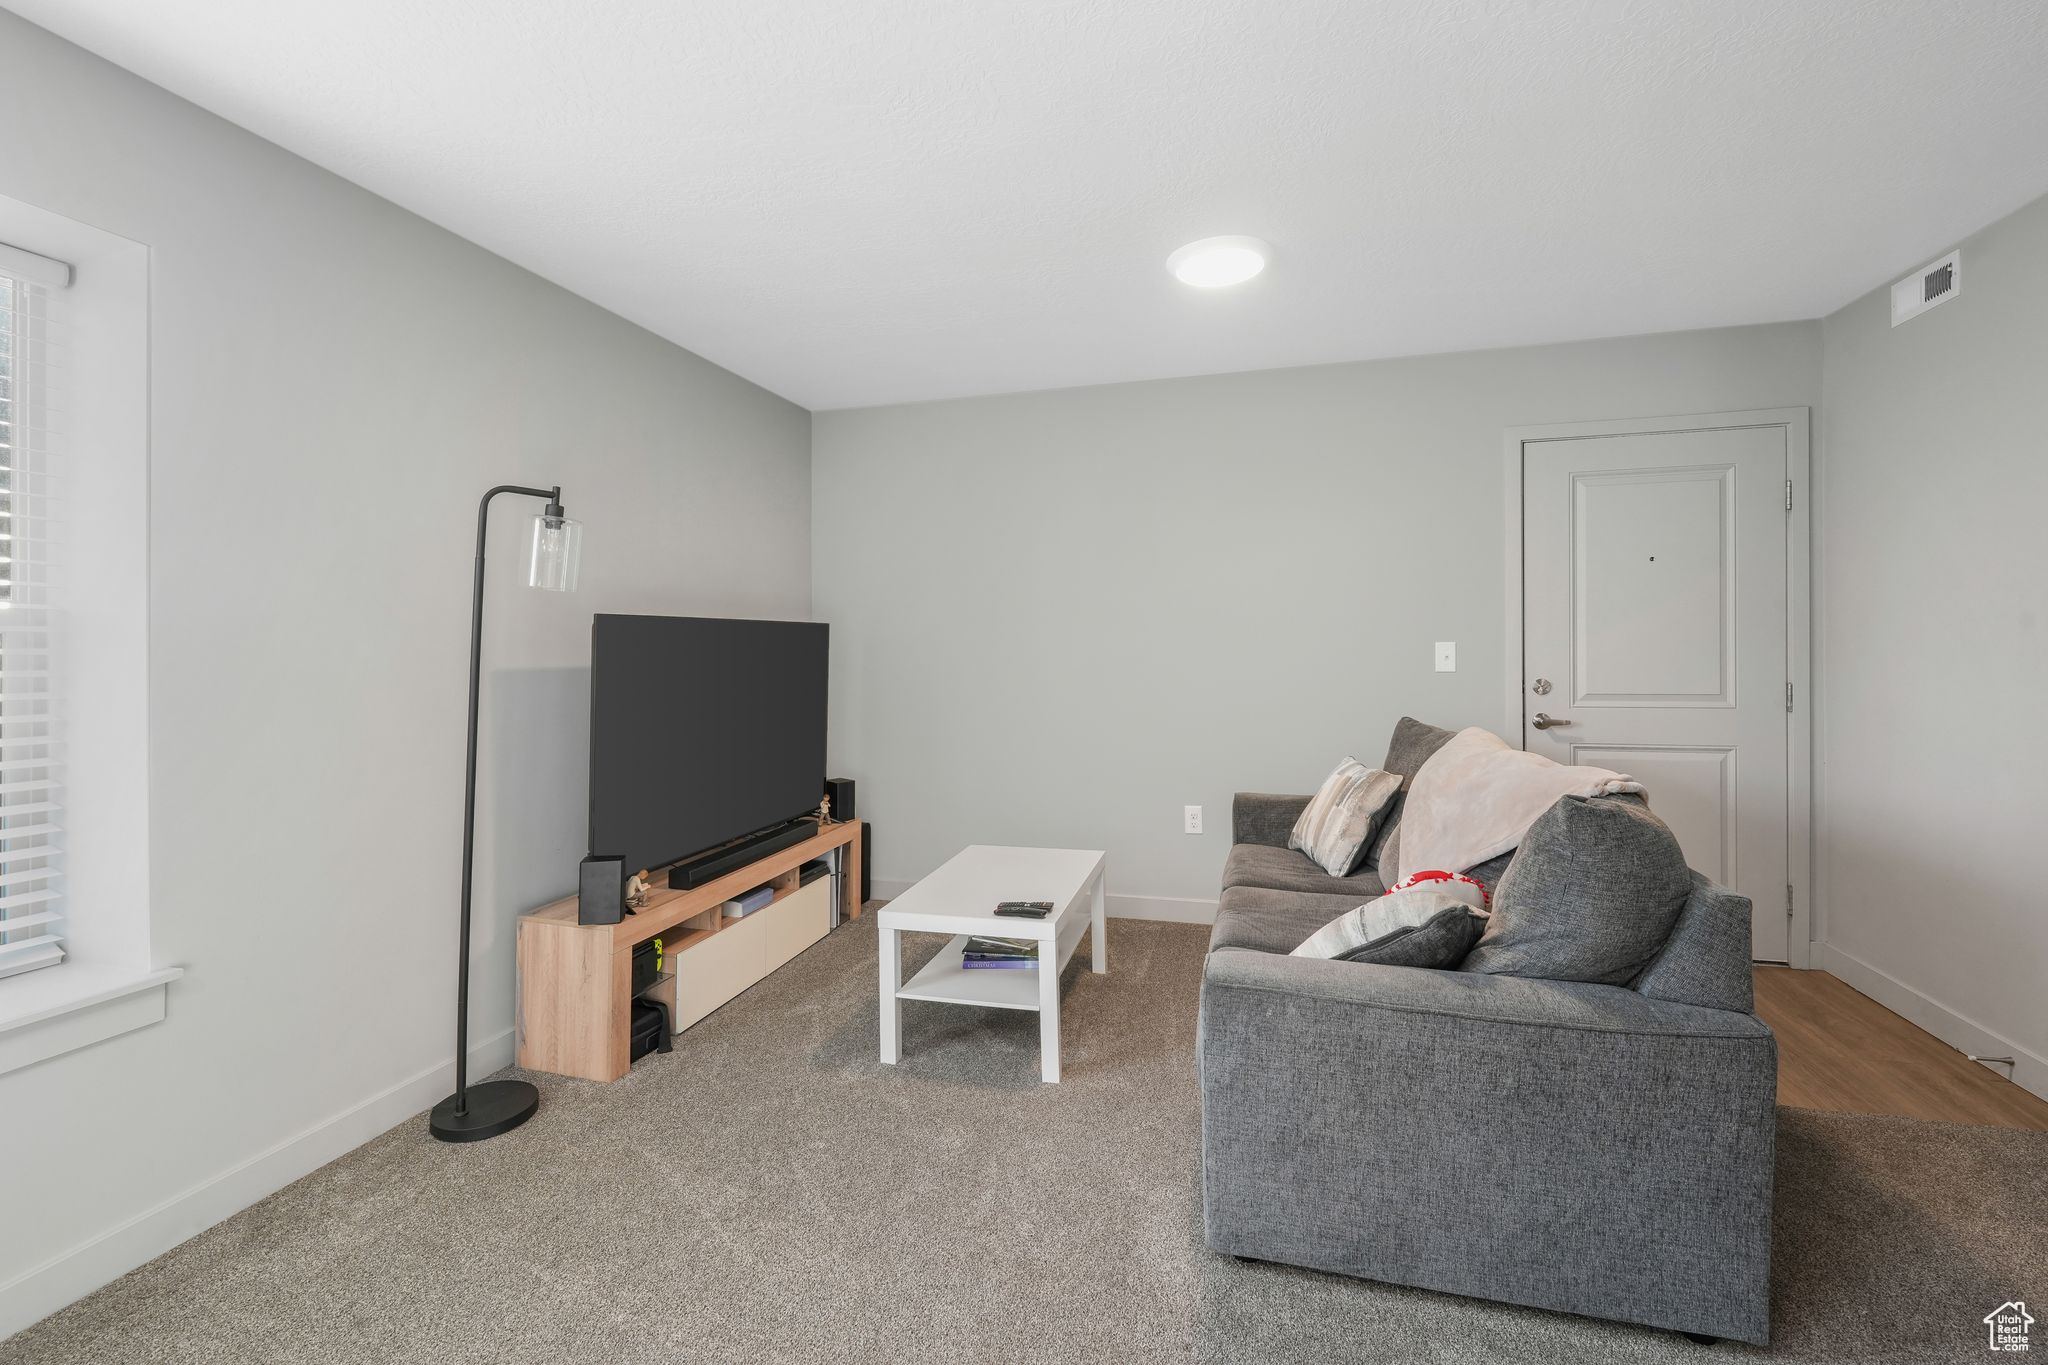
(601, 890)
(867, 859)
(840, 789)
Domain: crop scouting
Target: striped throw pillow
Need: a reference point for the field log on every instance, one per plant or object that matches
(1338, 823)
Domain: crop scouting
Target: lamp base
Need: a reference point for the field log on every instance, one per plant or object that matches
(494, 1107)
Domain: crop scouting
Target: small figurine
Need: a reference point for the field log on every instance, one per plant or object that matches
(636, 889)
(825, 810)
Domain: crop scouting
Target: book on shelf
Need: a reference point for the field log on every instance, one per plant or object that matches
(1001, 947)
(999, 954)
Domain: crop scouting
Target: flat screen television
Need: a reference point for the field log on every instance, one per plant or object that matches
(703, 730)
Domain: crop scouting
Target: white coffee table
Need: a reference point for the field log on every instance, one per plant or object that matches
(960, 899)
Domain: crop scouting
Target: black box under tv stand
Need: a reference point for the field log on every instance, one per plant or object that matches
(692, 872)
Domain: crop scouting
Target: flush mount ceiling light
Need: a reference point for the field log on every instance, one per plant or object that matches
(1215, 262)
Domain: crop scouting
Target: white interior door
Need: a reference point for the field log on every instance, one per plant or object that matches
(1655, 583)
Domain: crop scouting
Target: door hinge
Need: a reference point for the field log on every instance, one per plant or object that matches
(1788, 900)
(1788, 696)
(1788, 495)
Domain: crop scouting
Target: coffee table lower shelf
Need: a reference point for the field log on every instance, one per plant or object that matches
(946, 979)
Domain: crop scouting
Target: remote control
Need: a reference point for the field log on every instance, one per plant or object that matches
(1025, 909)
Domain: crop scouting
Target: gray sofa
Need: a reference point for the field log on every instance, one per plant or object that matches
(1604, 1150)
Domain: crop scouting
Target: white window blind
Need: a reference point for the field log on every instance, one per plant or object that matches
(31, 741)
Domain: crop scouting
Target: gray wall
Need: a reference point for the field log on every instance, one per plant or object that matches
(1060, 617)
(1932, 612)
(335, 382)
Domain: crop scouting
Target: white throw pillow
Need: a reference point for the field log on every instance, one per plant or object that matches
(1338, 822)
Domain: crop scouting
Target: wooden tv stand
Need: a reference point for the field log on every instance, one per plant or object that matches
(576, 980)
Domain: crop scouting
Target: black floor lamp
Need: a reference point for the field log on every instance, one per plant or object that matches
(474, 1113)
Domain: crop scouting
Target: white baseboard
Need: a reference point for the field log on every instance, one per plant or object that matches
(1171, 909)
(71, 1275)
(2029, 1070)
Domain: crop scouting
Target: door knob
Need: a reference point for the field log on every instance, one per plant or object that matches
(1543, 722)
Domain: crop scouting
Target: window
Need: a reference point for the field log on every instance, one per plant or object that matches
(31, 743)
(77, 960)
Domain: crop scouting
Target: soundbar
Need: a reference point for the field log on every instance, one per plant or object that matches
(706, 867)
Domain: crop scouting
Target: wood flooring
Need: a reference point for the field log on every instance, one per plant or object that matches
(1839, 1049)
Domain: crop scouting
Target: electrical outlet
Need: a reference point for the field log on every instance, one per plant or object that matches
(1447, 656)
(1191, 819)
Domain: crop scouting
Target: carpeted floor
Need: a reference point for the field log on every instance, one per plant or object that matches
(768, 1192)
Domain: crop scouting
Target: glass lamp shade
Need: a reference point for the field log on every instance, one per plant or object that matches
(557, 551)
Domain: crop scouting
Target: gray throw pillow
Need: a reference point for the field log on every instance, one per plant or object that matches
(1425, 926)
(1591, 895)
(1442, 942)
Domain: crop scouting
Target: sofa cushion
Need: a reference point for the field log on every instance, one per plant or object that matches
(1268, 921)
(1411, 746)
(1340, 818)
(1284, 869)
(1591, 895)
(1408, 749)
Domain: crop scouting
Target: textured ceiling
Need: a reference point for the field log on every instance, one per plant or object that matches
(908, 199)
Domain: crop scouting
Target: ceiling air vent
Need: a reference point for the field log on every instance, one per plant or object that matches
(1926, 287)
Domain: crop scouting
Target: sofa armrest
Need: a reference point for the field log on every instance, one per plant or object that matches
(1263, 818)
(1706, 959)
(1564, 1145)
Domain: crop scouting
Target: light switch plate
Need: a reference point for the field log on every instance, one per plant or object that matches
(1446, 656)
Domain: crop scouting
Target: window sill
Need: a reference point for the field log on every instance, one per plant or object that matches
(61, 1009)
